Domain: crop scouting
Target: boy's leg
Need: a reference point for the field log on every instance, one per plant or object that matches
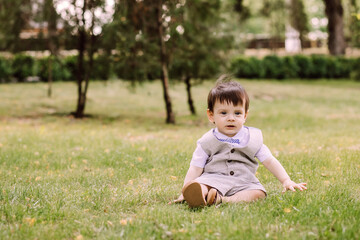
(245, 196)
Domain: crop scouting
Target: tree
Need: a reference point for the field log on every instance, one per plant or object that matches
(298, 18)
(14, 17)
(275, 11)
(198, 44)
(242, 10)
(355, 23)
(51, 17)
(143, 53)
(336, 40)
(136, 39)
(86, 18)
(160, 15)
(177, 39)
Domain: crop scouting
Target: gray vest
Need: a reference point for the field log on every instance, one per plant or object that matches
(229, 161)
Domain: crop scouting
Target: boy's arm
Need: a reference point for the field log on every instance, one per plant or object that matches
(191, 174)
(275, 167)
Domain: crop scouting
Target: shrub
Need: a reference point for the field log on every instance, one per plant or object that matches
(291, 69)
(304, 66)
(240, 67)
(136, 68)
(256, 67)
(101, 68)
(332, 67)
(22, 66)
(243, 67)
(70, 63)
(59, 71)
(355, 70)
(297, 66)
(129, 71)
(5, 69)
(273, 67)
(319, 66)
(345, 67)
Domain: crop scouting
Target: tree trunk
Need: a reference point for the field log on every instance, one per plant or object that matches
(50, 76)
(91, 59)
(336, 40)
(170, 118)
(52, 27)
(79, 113)
(189, 96)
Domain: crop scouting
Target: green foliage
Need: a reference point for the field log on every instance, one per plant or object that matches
(241, 9)
(345, 66)
(101, 70)
(138, 52)
(333, 68)
(136, 68)
(198, 65)
(247, 67)
(193, 46)
(59, 71)
(304, 64)
(70, 63)
(355, 72)
(14, 16)
(102, 67)
(354, 22)
(273, 67)
(330, 67)
(5, 69)
(23, 66)
(319, 66)
(298, 17)
(297, 66)
(274, 10)
(291, 69)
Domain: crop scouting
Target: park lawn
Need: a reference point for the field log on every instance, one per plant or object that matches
(112, 174)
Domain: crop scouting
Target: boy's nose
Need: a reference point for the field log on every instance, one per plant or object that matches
(231, 117)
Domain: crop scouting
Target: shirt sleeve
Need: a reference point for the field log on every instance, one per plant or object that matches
(263, 153)
(199, 157)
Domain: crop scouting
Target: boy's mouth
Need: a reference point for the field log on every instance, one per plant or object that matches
(230, 126)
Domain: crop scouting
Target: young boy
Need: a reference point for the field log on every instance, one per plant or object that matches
(223, 166)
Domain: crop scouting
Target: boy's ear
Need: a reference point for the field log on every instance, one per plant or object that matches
(210, 115)
(246, 114)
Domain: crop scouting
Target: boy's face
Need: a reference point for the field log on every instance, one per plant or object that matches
(228, 118)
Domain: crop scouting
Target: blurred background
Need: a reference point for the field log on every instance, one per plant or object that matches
(177, 40)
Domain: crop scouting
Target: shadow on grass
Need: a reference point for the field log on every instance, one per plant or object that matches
(152, 120)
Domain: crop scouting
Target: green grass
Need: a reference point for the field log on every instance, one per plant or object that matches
(111, 175)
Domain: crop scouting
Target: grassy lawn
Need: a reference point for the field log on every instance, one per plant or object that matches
(111, 175)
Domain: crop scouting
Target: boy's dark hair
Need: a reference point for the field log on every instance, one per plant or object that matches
(228, 91)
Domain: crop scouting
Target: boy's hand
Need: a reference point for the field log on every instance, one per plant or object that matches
(179, 200)
(290, 185)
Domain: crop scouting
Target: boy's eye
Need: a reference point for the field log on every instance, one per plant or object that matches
(238, 113)
(223, 113)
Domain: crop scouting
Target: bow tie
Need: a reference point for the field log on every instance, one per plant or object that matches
(230, 140)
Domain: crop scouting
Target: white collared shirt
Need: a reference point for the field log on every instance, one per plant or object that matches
(199, 156)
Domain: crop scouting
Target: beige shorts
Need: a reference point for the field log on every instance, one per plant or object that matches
(227, 185)
(245, 187)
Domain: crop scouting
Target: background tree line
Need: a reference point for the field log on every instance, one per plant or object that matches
(161, 39)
